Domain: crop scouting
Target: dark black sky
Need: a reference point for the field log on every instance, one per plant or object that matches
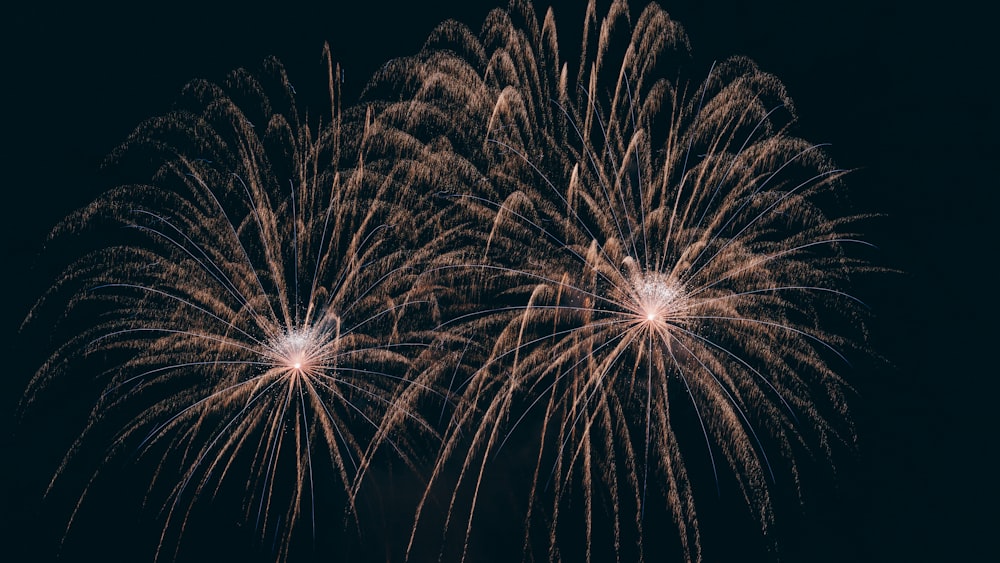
(902, 94)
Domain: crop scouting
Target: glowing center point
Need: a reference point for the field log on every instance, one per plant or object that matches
(297, 351)
(657, 297)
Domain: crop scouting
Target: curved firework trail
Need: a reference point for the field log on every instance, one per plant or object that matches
(643, 274)
(259, 320)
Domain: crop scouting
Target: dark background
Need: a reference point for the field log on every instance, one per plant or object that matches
(902, 94)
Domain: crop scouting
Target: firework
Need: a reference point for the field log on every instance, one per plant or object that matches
(643, 275)
(257, 318)
(611, 292)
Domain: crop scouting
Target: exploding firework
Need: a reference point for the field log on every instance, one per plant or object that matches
(644, 274)
(638, 294)
(257, 320)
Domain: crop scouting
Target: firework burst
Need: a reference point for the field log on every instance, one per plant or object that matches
(645, 277)
(256, 316)
(620, 294)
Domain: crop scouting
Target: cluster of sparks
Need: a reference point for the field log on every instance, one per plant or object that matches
(490, 253)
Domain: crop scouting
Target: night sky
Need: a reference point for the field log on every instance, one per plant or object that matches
(902, 97)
